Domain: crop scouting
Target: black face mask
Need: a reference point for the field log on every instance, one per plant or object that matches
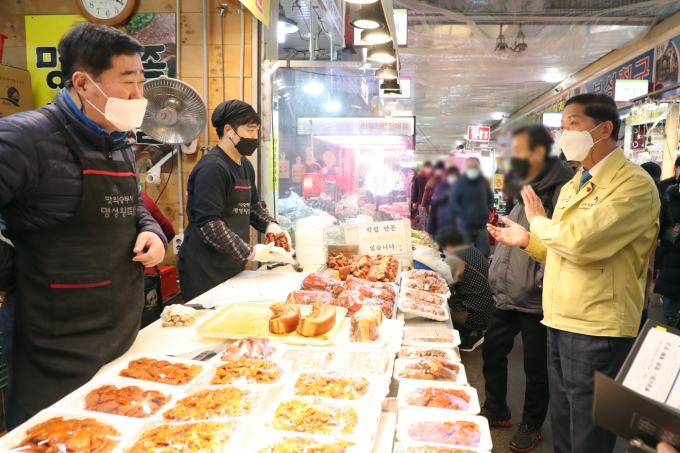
(246, 146)
(520, 167)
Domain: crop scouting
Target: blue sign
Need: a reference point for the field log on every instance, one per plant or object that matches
(667, 67)
(639, 68)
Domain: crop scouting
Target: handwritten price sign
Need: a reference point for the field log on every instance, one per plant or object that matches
(383, 238)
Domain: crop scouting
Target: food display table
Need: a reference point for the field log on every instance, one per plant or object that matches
(180, 343)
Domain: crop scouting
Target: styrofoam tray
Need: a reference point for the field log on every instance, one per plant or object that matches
(400, 366)
(116, 369)
(429, 344)
(76, 400)
(402, 447)
(236, 439)
(452, 354)
(342, 354)
(128, 427)
(423, 314)
(405, 280)
(409, 416)
(206, 378)
(443, 297)
(408, 386)
(377, 390)
(325, 271)
(281, 349)
(267, 437)
(385, 332)
(367, 416)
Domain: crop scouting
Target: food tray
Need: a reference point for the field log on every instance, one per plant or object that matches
(128, 427)
(367, 417)
(400, 365)
(282, 349)
(445, 295)
(258, 392)
(206, 378)
(377, 390)
(423, 314)
(267, 436)
(385, 332)
(326, 272)
(408, 416)
(247, 319)
(76, 400)
(114, 370)
(444, 298)
(402, 447)
(407, 386)
(342, 356)
(430, 344)
(452, 354)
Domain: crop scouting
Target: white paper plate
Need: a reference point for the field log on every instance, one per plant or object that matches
(408, 386)
(409, 416)
(423, 314)
(385, 332)
(429, 344)
(114, 371)
(400, 365)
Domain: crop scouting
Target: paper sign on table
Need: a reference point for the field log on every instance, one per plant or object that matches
(383, 238)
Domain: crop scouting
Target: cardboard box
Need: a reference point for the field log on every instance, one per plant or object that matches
(15, 91)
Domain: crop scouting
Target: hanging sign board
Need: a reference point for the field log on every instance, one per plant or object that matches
(498, 180)
(625, 90)
(383, 238)
(639, 68)
(478, 133)
(259, 8)
(667, 67)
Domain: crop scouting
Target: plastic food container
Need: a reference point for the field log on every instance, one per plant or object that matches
(114, 372)
(267, 437)
(406, 281)
(377, 390)
(403, 447)
(206, 379)
(400, 366)
(408, 293)
(409, 386)
(403, 306)
(364, 361)
(429, 344)
(408, 417)
(387, 328)
(452, 355)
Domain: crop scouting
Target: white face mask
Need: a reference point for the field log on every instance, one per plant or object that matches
(451, 179)
(472, 173)
(125, 114)
(576, 145)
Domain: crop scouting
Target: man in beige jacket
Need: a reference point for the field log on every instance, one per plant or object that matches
(596, 248)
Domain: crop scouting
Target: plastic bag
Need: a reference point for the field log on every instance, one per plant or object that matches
(127, 401)
(249, 348)
(211, 404)
(424, 280)
(58, 434)
(431, 259)
(365, 325)
(331, 385)
(315, 417)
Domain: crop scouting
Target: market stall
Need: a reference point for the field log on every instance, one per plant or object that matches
(355, 353)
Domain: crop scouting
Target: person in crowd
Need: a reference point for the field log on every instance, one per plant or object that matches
(516, 281)
(223, 204)
(596, 249)
(69, 198)
(673, 180)
(434, 181)
(668, 283)
(473, 202)
(417, 192)
(471, 301)
(414, 211)
(666, 238)
(441, 202)
(153, 298)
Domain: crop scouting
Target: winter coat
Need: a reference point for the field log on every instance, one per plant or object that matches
(418, 188)
(41, 181)
(472, 202)
(515, 278)
(441, 196)
(668, 283)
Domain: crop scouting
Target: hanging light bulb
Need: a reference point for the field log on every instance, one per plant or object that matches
(286, 25)
(382, 53)
(367, 17)
(387, 71)
(362, 2)
(520, 45)
(501, 45)
(377, 36)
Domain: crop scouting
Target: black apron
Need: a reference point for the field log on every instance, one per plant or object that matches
(200, 265)
(80, 295)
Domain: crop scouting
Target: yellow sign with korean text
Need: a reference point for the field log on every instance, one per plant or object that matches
(260, 8)
(498, 181)
(42, 38)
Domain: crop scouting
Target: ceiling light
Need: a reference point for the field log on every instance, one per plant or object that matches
(389, 84)
(286, 25)
(502, 46)
(382, 53)
(387, 71)
(314, 87)
(362, 2)
(332, 105)
(367, 18)
(520, 45)
(378, 36)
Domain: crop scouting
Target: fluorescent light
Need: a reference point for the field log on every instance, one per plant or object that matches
(314, 87)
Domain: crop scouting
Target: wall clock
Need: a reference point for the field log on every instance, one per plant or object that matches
(106, 12)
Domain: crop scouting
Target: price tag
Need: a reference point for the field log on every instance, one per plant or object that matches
(383, 238)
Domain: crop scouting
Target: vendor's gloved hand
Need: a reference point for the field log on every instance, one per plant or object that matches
(263, 253)
(276, 229)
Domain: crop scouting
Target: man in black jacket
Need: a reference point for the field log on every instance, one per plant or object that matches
(666, 183)
(516, 281)
(70, 204)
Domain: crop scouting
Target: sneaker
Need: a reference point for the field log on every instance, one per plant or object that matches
(503, 420)
(471, 341)
(526, 437)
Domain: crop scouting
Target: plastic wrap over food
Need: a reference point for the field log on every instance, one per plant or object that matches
(431, 370)
(309, 359)
(351, 300)
(214, 403)
(315, 282)
(428, 335)
(401, 447)
(424, 309)
(365, 325)
(424, 280)
(379, 285)
(431, 353)
(366, 291)
(209, 437)
(246, 371)
(304, 297)
(249, 348)
(371, 362)
(331, 385)
(129, 401)
(161, 371)
(423, 296)
(440, 398)
(315, 417)
(70, 435)
(462, 432)
(302, 444)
